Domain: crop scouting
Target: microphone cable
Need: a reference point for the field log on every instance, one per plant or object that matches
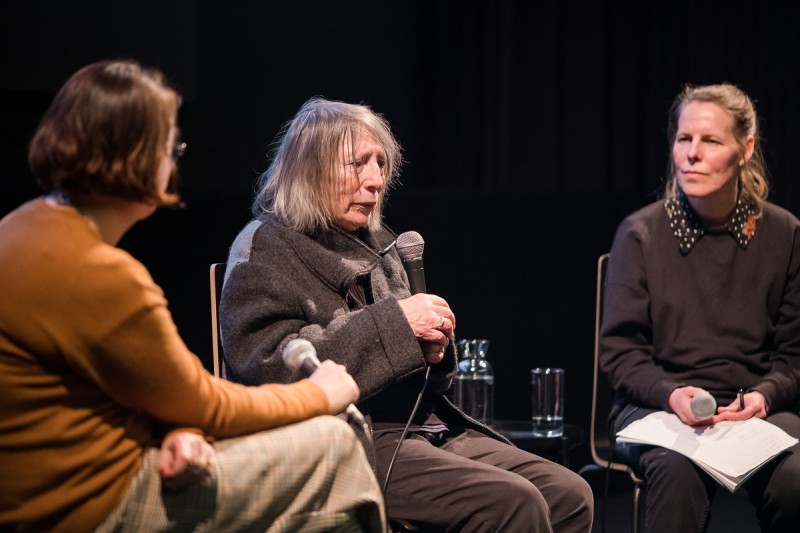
(388, 249)
(410, 252)
(405, 429)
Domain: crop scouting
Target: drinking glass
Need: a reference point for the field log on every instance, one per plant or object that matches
(547, 401)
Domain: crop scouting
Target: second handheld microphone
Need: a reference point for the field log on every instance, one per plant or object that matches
(300, 355)
(703, 406)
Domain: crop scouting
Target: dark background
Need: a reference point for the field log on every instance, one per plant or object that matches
(530, 129)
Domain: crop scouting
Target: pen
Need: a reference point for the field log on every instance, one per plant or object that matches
(740, 394)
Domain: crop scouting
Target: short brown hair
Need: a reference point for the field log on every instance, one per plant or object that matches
(105, 134)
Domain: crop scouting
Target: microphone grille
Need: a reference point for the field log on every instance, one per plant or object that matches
(703, 406)
(410, 245)
(297, 351)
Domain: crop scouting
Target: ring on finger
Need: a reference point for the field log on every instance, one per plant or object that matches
(441, 324)
(201, 466)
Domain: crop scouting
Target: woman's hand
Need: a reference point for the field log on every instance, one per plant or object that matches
(680, 402)
(185, 459)
(339, 386)
(432, 322)
(755, 405)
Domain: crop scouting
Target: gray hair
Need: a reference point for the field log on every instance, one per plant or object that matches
(753, 175)
(301, 185)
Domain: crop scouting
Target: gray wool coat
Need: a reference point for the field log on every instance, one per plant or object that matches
(281, 284)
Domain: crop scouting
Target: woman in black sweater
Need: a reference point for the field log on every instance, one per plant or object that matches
(703, 295)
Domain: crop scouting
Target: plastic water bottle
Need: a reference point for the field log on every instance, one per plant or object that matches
(474, 382)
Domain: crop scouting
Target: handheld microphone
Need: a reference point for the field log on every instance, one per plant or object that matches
(300, 356)
(410, 246)
(703, 406)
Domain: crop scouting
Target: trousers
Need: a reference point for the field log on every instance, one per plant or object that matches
(309, 476)
(470, 482)
(679, 494)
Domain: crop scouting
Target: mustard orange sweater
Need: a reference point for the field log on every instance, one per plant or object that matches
(91, 365)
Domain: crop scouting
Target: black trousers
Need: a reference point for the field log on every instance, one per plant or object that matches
(471, 482)
(679, 494)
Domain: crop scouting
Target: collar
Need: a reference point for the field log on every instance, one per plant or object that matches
(336, 256)
(687, 227)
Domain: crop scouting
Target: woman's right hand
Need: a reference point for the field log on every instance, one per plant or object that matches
(680, 401)
(338, 385)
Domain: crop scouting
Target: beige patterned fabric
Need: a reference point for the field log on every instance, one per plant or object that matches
(311, 476)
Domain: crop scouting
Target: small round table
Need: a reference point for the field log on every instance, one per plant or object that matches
(520, 432)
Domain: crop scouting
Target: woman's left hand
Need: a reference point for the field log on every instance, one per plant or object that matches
(755, 405)
(185, 459)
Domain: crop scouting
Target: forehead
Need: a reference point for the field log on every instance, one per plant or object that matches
(359, 141)
(706, 116)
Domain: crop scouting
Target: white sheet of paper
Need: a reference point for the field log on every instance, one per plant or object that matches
(729, 451)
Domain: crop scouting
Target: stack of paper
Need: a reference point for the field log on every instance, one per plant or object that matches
(729, 451)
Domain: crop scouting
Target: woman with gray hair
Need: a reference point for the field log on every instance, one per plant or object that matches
(702, 296)
(318, 264)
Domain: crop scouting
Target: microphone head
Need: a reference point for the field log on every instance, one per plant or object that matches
(410, 245)
(703, 406)
(298, 351)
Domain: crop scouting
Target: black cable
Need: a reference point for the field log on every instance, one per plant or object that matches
(405, 429)
(604, 512)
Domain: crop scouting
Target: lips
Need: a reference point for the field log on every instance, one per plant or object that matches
(693, 173)
(364, 206)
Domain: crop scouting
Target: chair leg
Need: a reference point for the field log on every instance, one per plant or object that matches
(637, 490)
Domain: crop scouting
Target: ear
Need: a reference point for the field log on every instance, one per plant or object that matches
(749, 146)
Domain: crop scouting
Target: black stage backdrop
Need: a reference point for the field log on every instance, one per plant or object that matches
(530, 129)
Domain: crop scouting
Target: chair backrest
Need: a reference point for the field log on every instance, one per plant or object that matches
(599, 438)
(217, 277)
(602, 394)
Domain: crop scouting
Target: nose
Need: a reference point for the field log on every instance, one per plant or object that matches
(372, 176)
(694, 153)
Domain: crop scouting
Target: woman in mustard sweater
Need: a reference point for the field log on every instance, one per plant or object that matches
(94, 376)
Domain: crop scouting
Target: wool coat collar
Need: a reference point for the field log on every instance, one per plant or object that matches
(335, 256)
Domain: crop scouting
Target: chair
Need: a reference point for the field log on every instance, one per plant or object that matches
(217, 277)
(599, 434)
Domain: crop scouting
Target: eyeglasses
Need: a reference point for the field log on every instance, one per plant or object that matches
(178, 149)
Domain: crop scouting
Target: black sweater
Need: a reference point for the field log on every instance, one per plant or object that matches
(720, 317)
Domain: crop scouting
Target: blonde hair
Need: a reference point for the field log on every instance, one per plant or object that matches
(302, 182)
(753, 174)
